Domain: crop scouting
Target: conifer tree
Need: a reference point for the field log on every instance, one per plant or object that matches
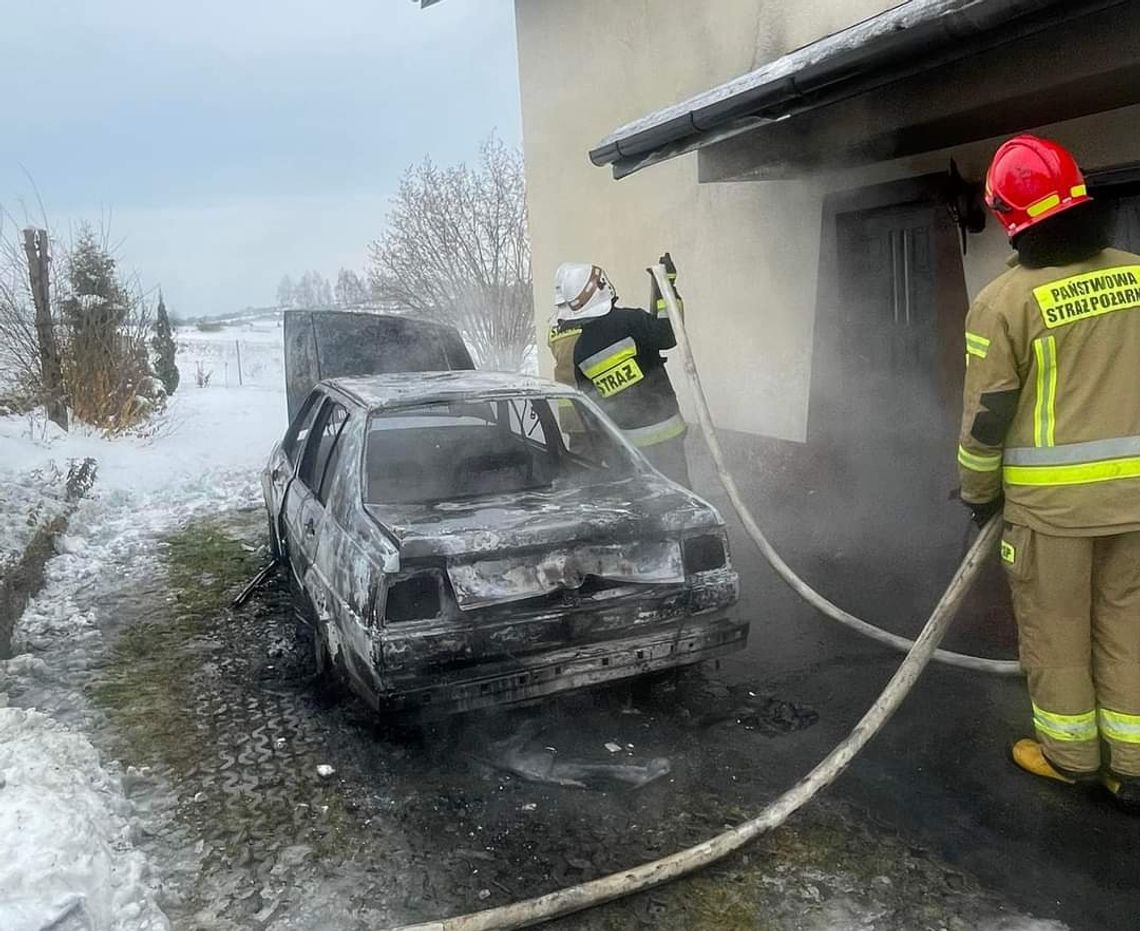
(164, 349)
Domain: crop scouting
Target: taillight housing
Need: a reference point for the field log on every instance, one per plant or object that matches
(704, 553)
(417, 597)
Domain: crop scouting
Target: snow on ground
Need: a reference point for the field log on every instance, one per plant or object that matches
(68, 858)
(204, 434)
(28, 500)
(66, 822)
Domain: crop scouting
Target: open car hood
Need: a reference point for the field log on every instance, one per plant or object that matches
(643, 507)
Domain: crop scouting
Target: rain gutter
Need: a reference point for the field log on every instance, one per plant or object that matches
(906, 40)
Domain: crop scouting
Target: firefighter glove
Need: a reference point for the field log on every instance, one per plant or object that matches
(656, 301)
(980, 513)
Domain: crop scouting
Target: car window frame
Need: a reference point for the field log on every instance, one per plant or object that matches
(313, 446)
(289, 444)
(325, 485)
(597, 424)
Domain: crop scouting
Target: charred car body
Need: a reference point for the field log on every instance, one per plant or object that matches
(452, 553)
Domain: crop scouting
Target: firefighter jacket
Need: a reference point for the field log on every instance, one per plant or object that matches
(561, 340)
(1052, 396)
(617, 360)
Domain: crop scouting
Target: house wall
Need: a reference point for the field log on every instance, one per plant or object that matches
(747, 252)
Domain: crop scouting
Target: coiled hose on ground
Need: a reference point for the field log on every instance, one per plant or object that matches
(607, 888)
(783, 570)
(919, 652)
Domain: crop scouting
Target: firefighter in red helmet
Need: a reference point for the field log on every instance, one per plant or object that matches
(1051, 436)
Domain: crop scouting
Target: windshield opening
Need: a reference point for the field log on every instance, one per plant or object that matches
(462, 449)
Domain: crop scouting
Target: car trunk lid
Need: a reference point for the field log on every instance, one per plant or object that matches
(640, 507)
(339, 344)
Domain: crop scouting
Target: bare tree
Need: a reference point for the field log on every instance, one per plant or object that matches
(100, 324)
(23, 381)
(349, 290)
(21, 375)
(455, 250)
(285, 292)
(312, 291)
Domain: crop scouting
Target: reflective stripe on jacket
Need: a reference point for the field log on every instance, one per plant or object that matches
(561, 340)
(1051, 409)
(617, 360)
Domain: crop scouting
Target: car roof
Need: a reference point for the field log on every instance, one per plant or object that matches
(401, 389)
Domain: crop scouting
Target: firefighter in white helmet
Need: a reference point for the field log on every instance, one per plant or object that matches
(614, 354)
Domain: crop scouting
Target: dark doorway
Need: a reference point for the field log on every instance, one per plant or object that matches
(885, 404)
(1117, 190)
(1126, 222)
(887, 378)
(901, 300)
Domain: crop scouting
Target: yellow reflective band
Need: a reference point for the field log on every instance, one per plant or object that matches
(1008, 553)
(1115, 725)
(1078, 190)
(1041, 206)
(1044, 410)
(556, 335)
(1078, 297)
(614, 368)
(973, 339)
(608, 357)
(988, 463)
(1065, 727)
(656, 433)
(1086, 474)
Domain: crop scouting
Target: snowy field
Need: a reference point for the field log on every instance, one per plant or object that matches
(69, 858)
(246, 353)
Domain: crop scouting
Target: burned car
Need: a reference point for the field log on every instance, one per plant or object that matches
(452, 552)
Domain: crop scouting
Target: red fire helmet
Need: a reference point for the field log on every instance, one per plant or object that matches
(1031, 179)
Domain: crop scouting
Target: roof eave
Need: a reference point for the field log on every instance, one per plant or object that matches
(909, 39)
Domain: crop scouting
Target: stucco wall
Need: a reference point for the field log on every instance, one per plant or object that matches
(748, 252)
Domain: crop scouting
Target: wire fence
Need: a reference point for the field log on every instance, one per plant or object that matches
(221, 359)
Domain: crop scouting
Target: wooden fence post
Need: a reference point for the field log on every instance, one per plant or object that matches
(38, 250)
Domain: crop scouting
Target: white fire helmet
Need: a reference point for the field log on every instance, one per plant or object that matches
(582, 291)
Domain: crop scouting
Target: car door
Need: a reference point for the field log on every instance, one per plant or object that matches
(285, 457)
(341, 578)
(304, 511)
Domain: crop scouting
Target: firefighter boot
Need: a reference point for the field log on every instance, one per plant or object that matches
(1125, 791)
(1028, 755)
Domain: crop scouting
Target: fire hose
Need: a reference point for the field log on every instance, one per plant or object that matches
(783, 570)
(919, 652)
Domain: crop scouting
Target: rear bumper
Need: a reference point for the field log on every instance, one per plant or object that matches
(508, 682)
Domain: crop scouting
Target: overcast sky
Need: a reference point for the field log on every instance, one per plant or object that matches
(230, 142)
